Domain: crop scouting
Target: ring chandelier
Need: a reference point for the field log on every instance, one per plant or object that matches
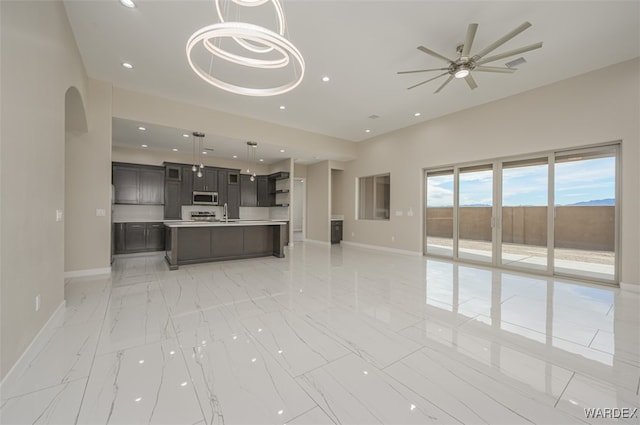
(253, 38)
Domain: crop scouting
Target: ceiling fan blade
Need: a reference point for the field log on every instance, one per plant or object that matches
(434, 54)
(510, 53)
(444, 84)
(472, 83)
(426, 81)
(468, 40)
(502, 40)
(422, 70)
(495, 69)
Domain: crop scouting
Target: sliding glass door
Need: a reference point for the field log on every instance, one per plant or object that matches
(554, 213)
(524, 221)
(585, 214)
(439, 213)
(475, 213)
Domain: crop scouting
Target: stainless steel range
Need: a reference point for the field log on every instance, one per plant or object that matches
(203, 216)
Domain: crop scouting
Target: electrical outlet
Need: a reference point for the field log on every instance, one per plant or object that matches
(100, 212)
(59, 215)
(393, 238)
(353, 234)
(38, 302)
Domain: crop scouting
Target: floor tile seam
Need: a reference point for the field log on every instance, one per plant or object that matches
(604, 382)
(45, 388)
(496, 376)
(500, 383)
(315, 368)
(564, 389)
(340, 383)
(95, 355)
(184, 360)
(544, 357)
(447, 391)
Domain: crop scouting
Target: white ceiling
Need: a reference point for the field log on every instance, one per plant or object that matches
(361, 45)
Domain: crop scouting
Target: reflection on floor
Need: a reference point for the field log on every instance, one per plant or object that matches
(577, 262)
(330, 334)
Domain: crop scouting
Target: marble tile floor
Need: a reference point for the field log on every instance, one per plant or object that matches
(332, 335)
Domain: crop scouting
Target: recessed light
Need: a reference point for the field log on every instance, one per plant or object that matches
(367, 131)
(128, 3)
(185, 135)
(283, 107)
(204, 152)
(127, 65)
(174, 149)
(326, 79)
(235, 156)
(141, 128)
(282, 151)
(145, 146)
(261, 160)
(417, 114)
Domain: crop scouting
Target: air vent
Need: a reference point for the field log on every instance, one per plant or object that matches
(514, 63)
(374, 116)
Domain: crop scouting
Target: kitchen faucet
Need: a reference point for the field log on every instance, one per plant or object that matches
(225, 213)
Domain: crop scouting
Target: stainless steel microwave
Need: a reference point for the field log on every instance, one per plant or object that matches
(205, 198)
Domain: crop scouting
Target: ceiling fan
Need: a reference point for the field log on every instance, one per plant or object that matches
(466, 63)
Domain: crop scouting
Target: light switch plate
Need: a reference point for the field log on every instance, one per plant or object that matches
(59, 215)
(100, 212)
(399, 213)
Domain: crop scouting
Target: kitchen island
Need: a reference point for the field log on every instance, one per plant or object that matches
(189, 242)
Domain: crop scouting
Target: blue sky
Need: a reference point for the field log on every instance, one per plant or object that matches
(575, 181)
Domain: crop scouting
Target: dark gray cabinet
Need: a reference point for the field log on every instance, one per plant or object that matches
(138, 237)
(248, 191)
(135, 237)
(178, 189)
(229, 191)
(125, 182)
(155, 237)
(172, 198)
(138, 184)
(264, 192)
(336, 231)
(208, 182)
(151, 188)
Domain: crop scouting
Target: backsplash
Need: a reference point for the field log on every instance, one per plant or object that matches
(123, 212)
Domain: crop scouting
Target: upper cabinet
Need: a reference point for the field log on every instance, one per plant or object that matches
(178, 189)
(208, 182)
(138, 184)
(248, 191)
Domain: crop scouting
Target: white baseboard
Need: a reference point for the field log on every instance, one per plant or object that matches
(36, 345)
(317, 242)
(630, 287)
(383, 248)
(87, 272)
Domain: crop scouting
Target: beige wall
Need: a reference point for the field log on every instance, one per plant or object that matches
(146, 108)
(152, 157)
(87, 236)
(337, 199)
(39, 61)
(318, 201)
(300, 170)
(594, 108)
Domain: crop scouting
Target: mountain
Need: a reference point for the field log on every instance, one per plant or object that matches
(595, 202)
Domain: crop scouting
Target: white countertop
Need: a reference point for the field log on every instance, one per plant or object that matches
(222, 223)
(140, 220)
(143, 220)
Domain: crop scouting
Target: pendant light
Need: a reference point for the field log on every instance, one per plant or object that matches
(251, 157)
(199, 138)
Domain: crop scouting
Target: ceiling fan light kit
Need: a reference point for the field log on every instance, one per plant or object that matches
(254, 39)
(466, 64)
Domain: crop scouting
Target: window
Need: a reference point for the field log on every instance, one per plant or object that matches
(373, 197)
(554, 212)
